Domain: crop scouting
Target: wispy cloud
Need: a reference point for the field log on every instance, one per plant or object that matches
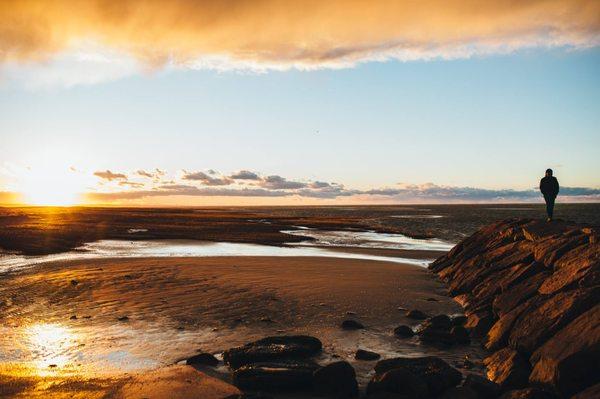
(281, 34)
(206, 179)
(108, 175)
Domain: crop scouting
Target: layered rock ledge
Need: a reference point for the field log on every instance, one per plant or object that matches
(531, 291)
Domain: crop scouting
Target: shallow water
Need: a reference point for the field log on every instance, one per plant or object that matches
(192, 248)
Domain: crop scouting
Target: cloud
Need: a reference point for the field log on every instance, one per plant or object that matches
(206, 179)
(131, 184)
(275, 182)
(110, 176)
(244, 175)
(281, 34)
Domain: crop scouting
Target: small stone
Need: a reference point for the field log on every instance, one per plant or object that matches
(403, 331)
(352, 325)
(123, 318)
(202, 359)
(362, 354)
(337, 379)
(74, 317)
(459, 320)
(74, 282)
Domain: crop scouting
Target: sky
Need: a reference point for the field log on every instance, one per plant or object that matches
(248, 103)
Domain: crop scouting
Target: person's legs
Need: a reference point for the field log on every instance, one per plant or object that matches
(549, 206)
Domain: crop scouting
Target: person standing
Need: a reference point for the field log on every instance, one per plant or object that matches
(549, 188)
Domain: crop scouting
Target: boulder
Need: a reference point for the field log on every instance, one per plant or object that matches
(527, 393)
(275, 377)
(272, 349)
(399, 381)
(202, 359)
(352, 325)
(461, 392)
(498, 335)
(403, 331)
(362, 354)
(580, 267)
(433, 371)
(336, 379)
(482, 386)
(533, 328)
(441, 321)
(459, 320)
(508, 369)
(569, 362)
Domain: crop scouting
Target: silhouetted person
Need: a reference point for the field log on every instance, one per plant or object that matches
(549, 188)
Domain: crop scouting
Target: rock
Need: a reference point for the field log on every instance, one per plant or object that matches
(508, 369)
(580, 266)
(528, 393)
(479, 323)
(440, 321)
(399, 381)
(73, 317)
(460, 335)
(272, 349)
(498, 335)
(275, 377)
(123, 318)
(518, 294)
(459, 320)
(336, 379)
(536, 326)
(434, 335)
(569, 362)
(362, 354)
(202, 359)
(433, 371)
(403, 331)
(352, 325)
(459, 393)
(74, 282)
(248, 396)
(416, 314)
(482, 386)
(592, 392)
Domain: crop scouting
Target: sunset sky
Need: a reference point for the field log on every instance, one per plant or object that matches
(276, 102)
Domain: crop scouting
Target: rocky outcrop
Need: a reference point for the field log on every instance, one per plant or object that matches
(531, 291)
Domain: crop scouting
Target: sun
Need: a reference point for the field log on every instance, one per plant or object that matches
(51, 187)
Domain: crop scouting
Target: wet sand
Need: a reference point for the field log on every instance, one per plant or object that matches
(169, 308)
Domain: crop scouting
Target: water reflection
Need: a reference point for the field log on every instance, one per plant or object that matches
(49, 346)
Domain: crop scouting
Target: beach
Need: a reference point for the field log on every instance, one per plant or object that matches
(120, 317)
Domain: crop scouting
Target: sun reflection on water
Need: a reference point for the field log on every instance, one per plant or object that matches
(50, 345)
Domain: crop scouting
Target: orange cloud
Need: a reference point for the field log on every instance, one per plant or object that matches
(283, 33)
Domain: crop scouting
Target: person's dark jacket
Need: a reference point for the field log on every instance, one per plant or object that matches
(549, 186)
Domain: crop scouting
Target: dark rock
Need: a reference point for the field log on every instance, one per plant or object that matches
(202, 359)
(400, 381)
(416, 314)
(275, 377)
(460, 335)
(272, 349)
(362, 354)
(403, 331)
(123, 318)
(508, 369)
(352, 325)
(459, 393)
(482, 386)
(592, 392)
(433, 335)
(569, 362)
(459, 320)
(74, 282)
(336, 379)
(433, 371)
(440, 321)
(74, 317)
(527, 393)
(248, 396)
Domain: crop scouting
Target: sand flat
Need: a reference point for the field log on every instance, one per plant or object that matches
(169, 308)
